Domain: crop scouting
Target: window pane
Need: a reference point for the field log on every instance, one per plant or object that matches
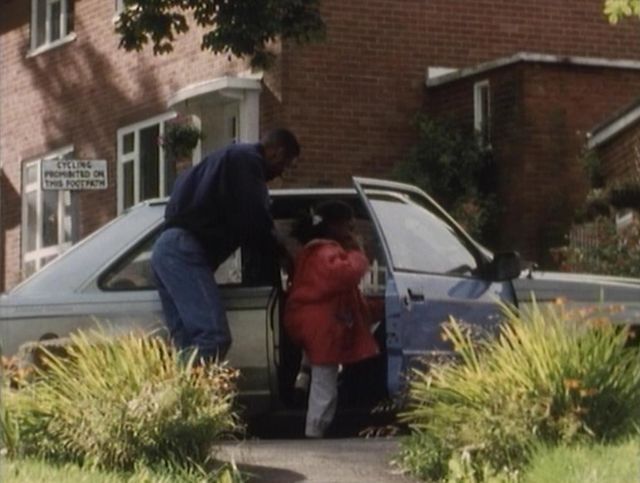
(127, 181)
(29, 269)
(49, 218)
(149, 162)
(127, 143)
(230, 271)
(30, 223)
(484, 99)
(41, 18)
(134, 271)
(56, 18)
(66, 221)
(47, 259)
(70, 17)
(233, 128)
(419, 240)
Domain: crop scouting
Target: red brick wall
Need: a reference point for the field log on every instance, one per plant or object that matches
(80, 94)
(540, 115)
(620, 155)
(351, 99)
(459, 33)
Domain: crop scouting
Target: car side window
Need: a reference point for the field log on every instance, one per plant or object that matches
(133, 271)
(420, 240)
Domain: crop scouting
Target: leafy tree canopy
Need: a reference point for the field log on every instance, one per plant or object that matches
(239, 27)
(617, 9)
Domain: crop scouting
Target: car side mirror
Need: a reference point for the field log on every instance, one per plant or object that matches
(504, 266)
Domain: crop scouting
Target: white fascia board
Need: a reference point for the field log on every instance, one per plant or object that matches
(436, 72)
(532, 57)
(613, 128)
(219, 85)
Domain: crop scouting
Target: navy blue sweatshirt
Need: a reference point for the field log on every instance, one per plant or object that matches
(223, 201)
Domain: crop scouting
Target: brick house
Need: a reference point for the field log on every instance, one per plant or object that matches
(541, 108)
(66, 90)
(616, 141)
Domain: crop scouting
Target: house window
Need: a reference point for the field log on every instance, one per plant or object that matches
(51, 21)
(46, 217)
(143, 171)
(482, 112)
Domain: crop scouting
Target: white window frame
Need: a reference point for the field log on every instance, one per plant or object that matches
(481, 125)
(40, 253)
(134, 156)
(65, 35)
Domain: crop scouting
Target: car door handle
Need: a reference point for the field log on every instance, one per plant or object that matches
(415, 295)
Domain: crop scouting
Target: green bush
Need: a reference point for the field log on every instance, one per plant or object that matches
(452, 167)
(552, 375)
(116, 402)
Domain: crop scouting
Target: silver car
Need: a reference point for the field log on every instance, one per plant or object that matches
(423, 264)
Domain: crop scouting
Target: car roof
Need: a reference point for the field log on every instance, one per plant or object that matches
(275, 193)
(74, 268)
(79, 266)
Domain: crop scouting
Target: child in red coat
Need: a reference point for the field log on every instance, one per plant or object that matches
(326, 313)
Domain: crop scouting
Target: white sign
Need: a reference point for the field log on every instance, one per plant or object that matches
(74, 174)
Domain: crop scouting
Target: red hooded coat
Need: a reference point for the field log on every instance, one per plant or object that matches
(325, 312)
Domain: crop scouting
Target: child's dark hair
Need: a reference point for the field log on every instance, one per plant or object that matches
(313, 224)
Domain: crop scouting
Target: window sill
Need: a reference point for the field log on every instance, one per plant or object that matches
(53, 45)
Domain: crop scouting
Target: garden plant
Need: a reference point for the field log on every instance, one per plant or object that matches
(119, 404)
(552, 377)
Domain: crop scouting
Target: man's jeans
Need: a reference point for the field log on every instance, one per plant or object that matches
(190, 298)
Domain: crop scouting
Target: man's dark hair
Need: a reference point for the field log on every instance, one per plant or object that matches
(282, 138)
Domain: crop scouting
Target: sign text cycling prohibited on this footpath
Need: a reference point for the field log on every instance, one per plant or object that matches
(74, 174)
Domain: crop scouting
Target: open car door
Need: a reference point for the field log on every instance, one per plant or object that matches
(435, 271)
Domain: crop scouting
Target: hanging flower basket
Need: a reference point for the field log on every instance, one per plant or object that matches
(180, 138)
(625, 195)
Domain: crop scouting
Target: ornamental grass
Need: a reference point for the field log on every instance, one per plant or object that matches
(116, 403)
(551, 376)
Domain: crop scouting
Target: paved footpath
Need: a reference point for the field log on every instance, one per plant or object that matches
(356, 460)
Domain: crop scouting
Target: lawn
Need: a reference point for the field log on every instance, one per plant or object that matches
(586, 464)
(35, 471)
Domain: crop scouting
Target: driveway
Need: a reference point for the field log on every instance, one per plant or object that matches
(352, 460)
